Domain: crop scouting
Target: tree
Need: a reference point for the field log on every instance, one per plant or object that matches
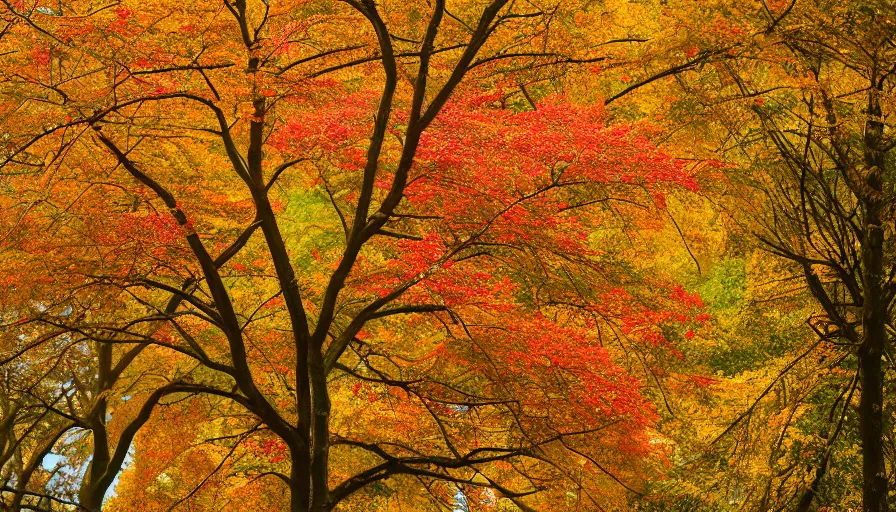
(248, 205)
(803, 102)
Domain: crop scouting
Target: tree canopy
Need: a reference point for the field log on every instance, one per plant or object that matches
(447, 255)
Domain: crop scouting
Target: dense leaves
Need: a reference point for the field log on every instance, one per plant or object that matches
(418, 255)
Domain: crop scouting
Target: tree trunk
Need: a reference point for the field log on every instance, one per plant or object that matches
(874, 491)
(320, 432)
(90, 495)
(309, 471)
(299, 481)
(874, 317)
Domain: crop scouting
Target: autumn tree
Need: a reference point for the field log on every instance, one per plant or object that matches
(354, 255)
(801, 101)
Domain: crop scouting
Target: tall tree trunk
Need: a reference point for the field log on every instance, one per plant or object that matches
(874, 491)
(90, 495)
(320, 431)
(299, 478)
(874, 316)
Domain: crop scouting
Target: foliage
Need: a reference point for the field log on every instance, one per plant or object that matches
(424, 255)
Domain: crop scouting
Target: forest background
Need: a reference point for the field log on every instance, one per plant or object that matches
(447, 255)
